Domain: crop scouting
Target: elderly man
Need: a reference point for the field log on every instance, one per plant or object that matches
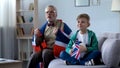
(55, 34)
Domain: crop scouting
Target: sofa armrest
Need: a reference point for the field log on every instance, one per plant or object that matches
(100, 42)
(110, 52)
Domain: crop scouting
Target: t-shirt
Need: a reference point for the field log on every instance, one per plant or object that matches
(84, 40)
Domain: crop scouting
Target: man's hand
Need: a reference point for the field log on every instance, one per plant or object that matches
(39, 37)
(37, 32)
(55, 30)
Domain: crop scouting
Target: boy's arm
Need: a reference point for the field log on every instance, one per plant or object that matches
(93, 44)
(70, 44)
(69, 47)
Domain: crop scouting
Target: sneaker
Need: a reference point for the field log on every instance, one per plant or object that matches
(67, 63)
(90, 63)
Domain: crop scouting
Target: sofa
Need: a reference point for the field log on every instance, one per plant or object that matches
(108, 44)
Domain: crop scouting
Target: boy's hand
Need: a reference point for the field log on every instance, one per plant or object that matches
(71, 50)
(82, 48)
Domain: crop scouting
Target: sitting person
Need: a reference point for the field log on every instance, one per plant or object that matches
(86, 50)
(55, 34)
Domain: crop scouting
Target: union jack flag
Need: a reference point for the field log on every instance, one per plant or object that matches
(76, 51)
(33, 41)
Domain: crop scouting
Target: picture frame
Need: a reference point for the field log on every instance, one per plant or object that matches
(95, 2)
(82, 3)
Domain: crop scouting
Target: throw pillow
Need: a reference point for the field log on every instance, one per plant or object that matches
(110, 52)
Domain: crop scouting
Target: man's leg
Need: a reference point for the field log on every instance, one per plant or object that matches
(47, 57)
(34, 60)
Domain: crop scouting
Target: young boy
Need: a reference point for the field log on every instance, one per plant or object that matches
(87, 45)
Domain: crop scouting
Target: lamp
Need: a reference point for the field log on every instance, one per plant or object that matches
(115, 5)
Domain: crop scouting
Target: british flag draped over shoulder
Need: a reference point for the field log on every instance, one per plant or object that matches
(62, 38)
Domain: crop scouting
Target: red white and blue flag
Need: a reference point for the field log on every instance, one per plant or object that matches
(76, 51)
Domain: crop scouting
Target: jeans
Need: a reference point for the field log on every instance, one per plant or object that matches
(95, 55)
(65, 56)
(44, 56)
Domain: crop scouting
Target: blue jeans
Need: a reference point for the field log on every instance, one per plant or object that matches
(95, 55)
(65, 56)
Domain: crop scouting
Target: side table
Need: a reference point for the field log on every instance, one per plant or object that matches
(8, 63)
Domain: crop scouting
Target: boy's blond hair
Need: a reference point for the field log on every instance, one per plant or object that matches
(83, 16)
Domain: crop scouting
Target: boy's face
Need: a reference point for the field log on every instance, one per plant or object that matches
(83, 23)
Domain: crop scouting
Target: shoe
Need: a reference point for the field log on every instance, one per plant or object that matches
(90, 63)
(67, 63)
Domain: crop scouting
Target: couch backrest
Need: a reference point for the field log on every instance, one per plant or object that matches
(111, 35)
(101, 38)
(109, 45)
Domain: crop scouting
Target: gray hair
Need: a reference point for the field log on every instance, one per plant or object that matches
(51, 7)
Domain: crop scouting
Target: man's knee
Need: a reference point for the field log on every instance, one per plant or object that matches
(47, 53)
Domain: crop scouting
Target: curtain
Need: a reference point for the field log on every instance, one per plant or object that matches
(8, 47)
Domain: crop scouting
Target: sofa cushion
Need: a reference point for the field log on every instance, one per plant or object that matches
(110, 52)
(59, 63)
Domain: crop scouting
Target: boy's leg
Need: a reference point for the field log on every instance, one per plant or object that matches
(95, 55)
(65, 56)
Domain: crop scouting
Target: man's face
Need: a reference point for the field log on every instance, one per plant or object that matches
(50, 14)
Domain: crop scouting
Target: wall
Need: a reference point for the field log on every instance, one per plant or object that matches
(102, 18)
(0, 43)
(0, 25)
